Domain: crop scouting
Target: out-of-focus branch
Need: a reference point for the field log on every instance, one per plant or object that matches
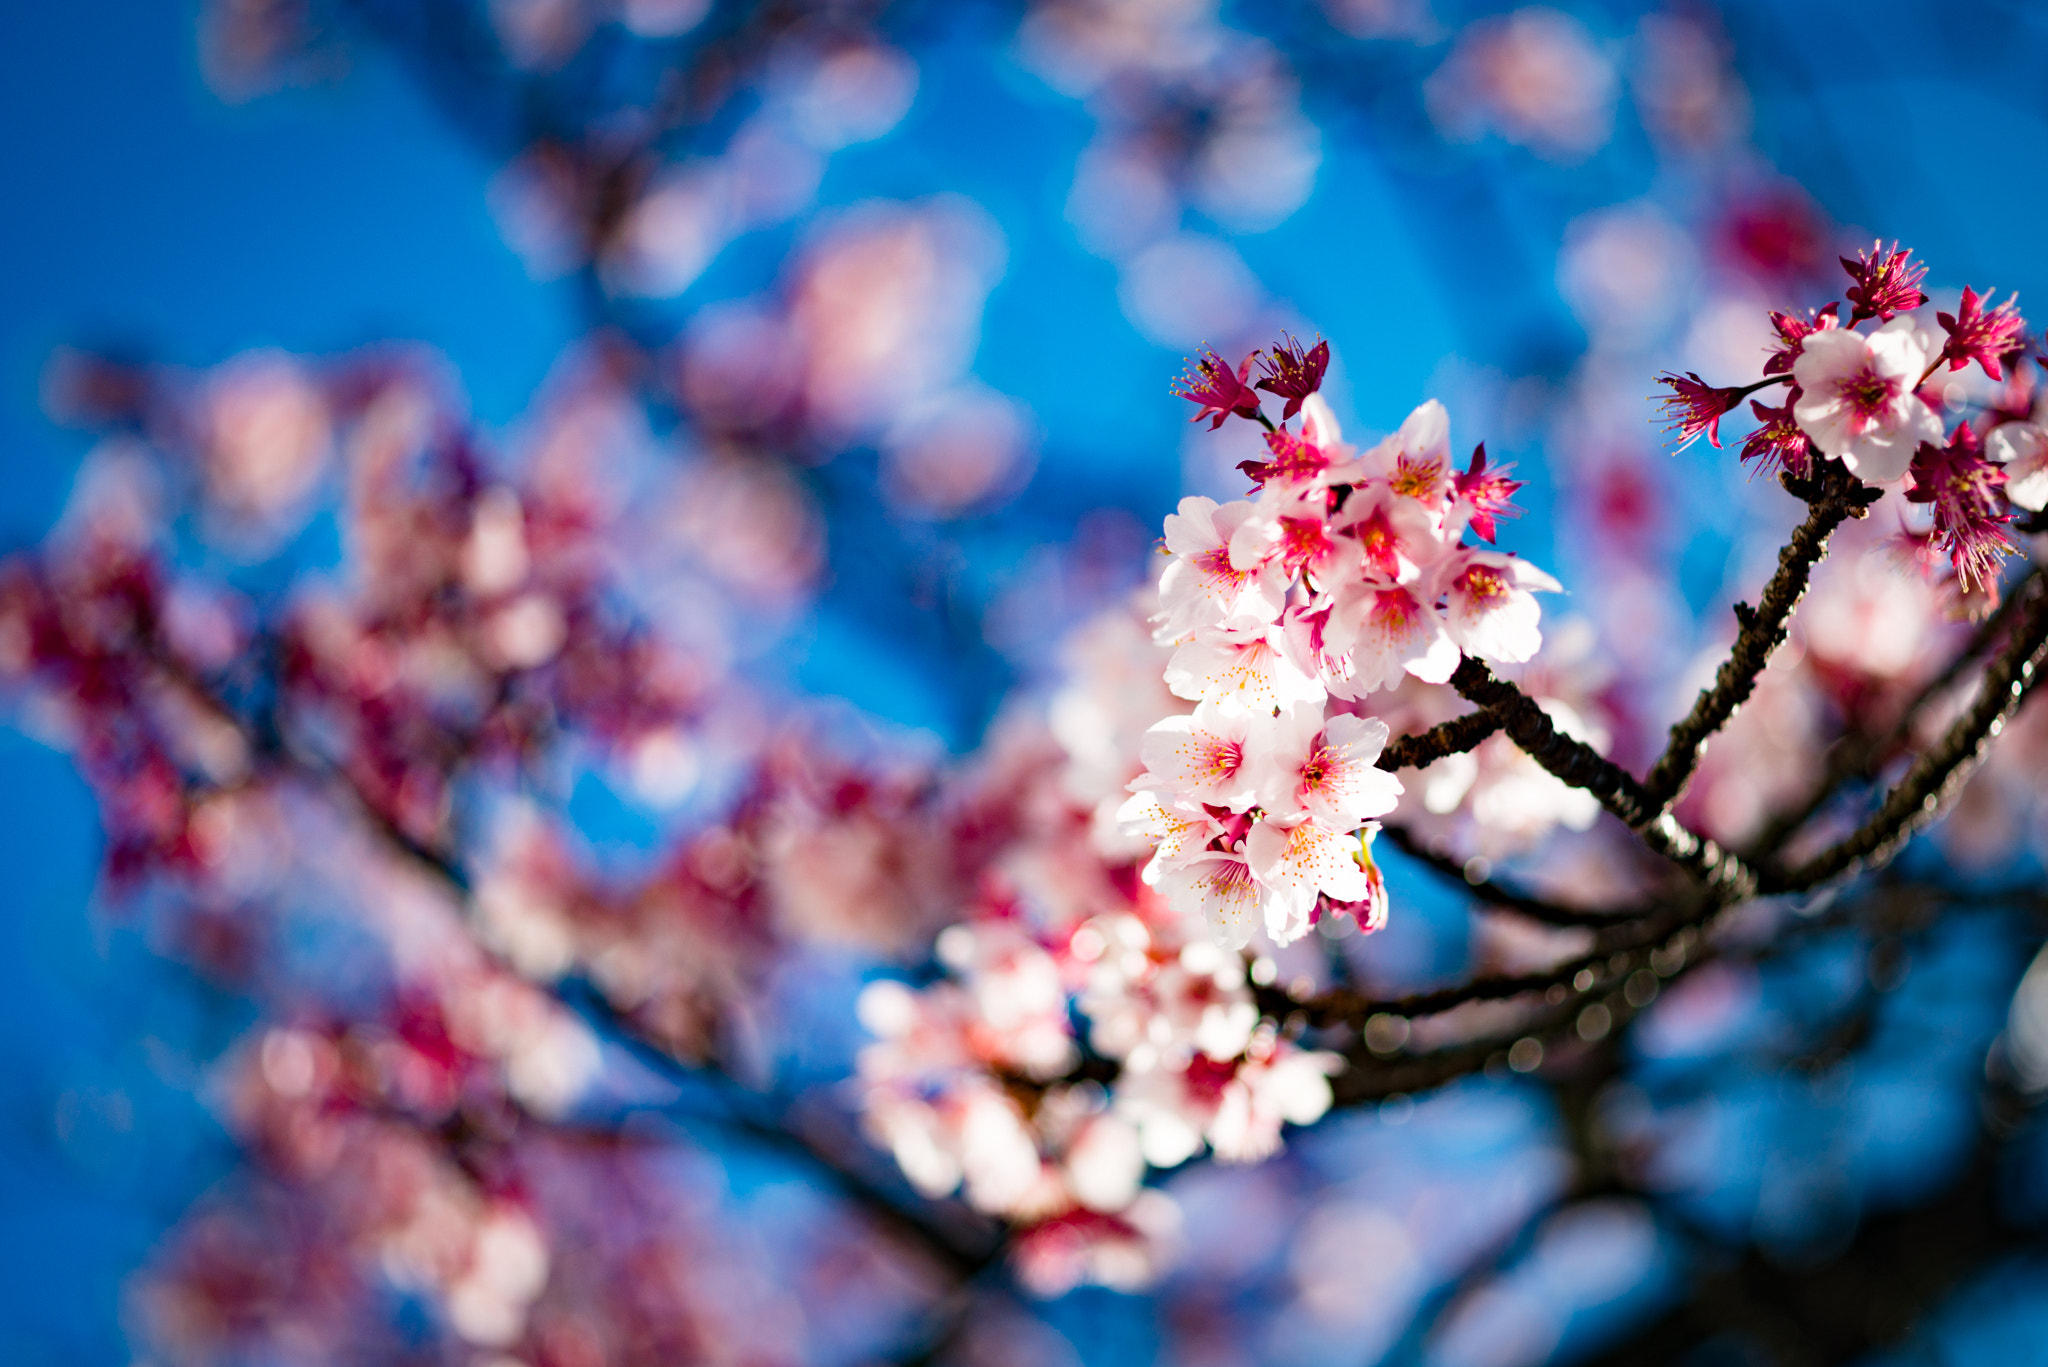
(1665, 945)
(1834, 496)
(1939, 774)
(1496, 895)
(1869, 1296)
(968, 1251)
(1855, 756)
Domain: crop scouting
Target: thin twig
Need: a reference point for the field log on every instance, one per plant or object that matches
(1855, 756)
(1939, 774)
(1499, 896)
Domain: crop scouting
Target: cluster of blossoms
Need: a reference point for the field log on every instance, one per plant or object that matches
(1871, 391)
(1139, 864)
(1347, 573)
(301, 768)
(1084, 1031)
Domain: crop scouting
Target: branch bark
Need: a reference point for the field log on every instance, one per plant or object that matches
(1499, 896)
(1726, 877)
(1834, 495)
(1457, 736)
(1939, 774)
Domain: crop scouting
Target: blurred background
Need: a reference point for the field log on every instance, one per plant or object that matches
(851, 325)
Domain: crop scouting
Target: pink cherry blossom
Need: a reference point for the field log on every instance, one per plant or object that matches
(1388, 631)
(1965, 491)
(1200, 586)
(1204, 756)
(1236, 1106)
(1887, 282)
(1856, 398)
(1295, 530)
(1989, 339)
(1294, 373)
(1695, 408)
(1397, 537)
(1324, 769)
(1778, 443)
(1480, 496)
(1216, 390)
(1792, 334)
(1490, 610)
(1245, 667)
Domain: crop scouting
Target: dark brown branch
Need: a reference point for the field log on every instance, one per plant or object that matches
(1939, 774)
(1616, 953)
(1454, 737)
(1498, 896)
(1724, 876)
(1835, 496)
(1857, 756)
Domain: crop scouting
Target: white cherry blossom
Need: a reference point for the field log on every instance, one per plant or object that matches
(1325, 769)
(1856, 397)
(2022, 448)
(1218, 887)
(1203, 756)
(1199, 586)
(1179, 825)
(1241, 667)
(1295, 863)
(1490, 610)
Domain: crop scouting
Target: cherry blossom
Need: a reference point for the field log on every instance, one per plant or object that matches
(1963, 489)
(1856, 398)
(1203, 756)
(1261, 804)
(1989, 339)
(1324, 769)
(2021, 448)
(1695, 408)
(1243, 666)
(1490, 611)
(1792, 334)
(1388, 630)
(1200, 586)
(1480, 496)
(1887, 282)
(1778, 443)
(1216, 390)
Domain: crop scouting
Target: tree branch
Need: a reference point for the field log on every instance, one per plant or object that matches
(1457, 736)
(1939, 774)
(1855, 756)
(1726, 877)
(1835, 496)
(1497, 896)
